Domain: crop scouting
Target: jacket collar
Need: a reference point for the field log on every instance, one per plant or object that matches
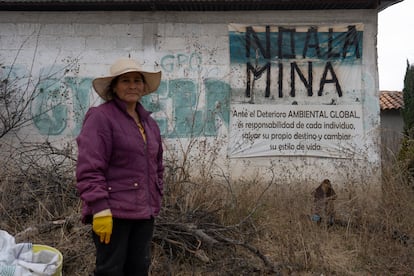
(143, 113)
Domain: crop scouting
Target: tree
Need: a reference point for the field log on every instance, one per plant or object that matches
(408, 94)
(407, 148)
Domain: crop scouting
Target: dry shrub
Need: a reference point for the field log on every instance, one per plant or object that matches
(39, 203)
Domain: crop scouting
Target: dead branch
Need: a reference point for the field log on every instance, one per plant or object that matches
(254, 250)
(45, 227)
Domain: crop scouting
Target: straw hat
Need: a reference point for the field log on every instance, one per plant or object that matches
(122, 66)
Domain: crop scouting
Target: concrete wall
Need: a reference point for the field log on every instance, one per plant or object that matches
(62, 52)
(392, 125)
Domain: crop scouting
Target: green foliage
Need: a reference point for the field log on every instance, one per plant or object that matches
(408, 94)
(407, 148)
(406, 156)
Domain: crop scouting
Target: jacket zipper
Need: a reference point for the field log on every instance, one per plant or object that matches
(147, 176)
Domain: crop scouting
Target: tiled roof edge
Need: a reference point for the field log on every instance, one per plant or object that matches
(391, 100)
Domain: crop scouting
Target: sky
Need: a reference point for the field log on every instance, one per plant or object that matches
(395, 44)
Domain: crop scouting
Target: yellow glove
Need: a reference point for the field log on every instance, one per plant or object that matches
(102, 225)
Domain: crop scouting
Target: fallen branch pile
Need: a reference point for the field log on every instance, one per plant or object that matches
(180, 238)
(201, 238)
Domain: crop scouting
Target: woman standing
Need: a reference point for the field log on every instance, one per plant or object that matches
(120, 171)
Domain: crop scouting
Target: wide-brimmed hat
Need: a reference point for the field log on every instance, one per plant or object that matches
(122, 66)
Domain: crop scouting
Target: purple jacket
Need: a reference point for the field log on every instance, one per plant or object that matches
(116, 169)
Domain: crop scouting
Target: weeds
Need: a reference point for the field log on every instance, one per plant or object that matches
(208, 227)
(254, 228)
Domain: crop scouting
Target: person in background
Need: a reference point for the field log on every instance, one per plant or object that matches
(324, 196)
(120, 169)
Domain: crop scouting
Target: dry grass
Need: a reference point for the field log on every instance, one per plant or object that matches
(373, 236)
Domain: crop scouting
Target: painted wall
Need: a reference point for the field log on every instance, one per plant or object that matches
(60, 53)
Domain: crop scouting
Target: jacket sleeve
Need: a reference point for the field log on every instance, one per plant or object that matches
(94, 151)
(160, 168)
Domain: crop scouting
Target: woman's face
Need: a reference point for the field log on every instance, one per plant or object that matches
(130, 87)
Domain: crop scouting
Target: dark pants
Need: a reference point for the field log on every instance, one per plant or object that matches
(129, 250)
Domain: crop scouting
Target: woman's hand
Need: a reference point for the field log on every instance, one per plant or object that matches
(102, 225)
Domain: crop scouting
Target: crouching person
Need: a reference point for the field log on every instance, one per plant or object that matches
(324, 209)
